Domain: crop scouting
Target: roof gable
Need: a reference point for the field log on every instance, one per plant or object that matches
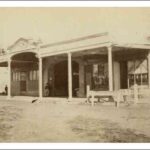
(22, 44)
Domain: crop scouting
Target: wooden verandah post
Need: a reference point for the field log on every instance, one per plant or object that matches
(69, 77)
(110, 67)
(40, 78)
(9, 79)
(148, 57)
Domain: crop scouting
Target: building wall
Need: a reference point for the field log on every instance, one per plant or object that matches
(116, 75)
(31, 86)
(15, 88)
(81, 79)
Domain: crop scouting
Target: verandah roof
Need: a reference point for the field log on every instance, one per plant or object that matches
(86, 43)
(82, 43)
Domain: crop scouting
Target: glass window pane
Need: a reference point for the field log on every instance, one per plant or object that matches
(138, 72)
(34, 75)
(100, 76)
(23, 76)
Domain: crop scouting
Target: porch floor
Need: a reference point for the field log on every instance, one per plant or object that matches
(66, 100)
(44, 99)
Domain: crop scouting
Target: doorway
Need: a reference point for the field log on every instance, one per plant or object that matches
(23, 82)
(61, 79)
(75, 79)
(123, 75)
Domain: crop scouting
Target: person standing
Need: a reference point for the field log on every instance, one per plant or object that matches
(47, 89)
(6, 90)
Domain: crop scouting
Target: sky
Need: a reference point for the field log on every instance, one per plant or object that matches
(131, 25)
(58, 24)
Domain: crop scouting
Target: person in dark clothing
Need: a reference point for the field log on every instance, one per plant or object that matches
(47, 89)
(6, 90)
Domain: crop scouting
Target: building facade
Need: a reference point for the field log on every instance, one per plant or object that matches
(69, 66)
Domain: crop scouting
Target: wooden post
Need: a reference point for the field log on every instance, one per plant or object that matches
(40, 78)
(119, 97)
(148, 58)
(9, 80)
(69, 76)
(110, 72)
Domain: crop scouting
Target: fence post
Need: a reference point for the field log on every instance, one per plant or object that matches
(117, 98)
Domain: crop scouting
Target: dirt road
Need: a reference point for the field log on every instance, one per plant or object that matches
(66, 122)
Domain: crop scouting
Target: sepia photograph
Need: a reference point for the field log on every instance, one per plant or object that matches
(74, 74)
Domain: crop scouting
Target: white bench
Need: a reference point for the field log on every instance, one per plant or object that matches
(117, 96)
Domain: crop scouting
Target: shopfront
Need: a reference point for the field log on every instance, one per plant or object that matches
(70, 66)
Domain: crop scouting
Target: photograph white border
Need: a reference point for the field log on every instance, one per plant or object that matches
(74, 4)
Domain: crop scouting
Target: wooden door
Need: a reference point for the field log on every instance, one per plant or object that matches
(23, 81)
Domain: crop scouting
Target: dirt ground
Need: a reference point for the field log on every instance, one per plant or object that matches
(22, 121)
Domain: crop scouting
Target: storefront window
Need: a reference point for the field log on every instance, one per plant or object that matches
(33, 75)
(22, 76)
(100, 76)
(137, 72)
(16, 76)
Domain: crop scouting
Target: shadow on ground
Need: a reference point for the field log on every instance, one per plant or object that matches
(94, 130)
